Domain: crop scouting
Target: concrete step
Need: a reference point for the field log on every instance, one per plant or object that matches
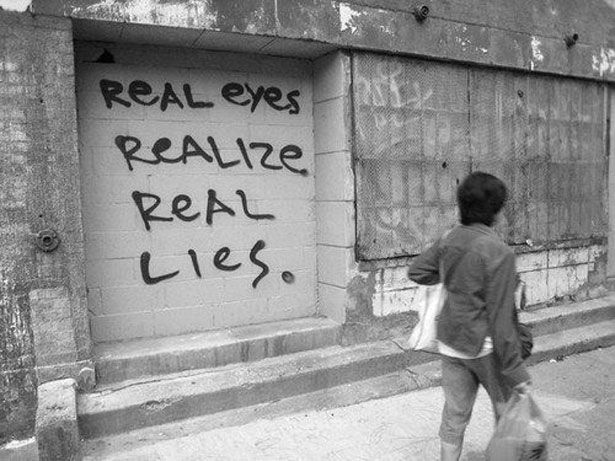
(157, 389)
(131, 405)
(128, 360)
(333, 397)
(558, 318)
(554, 319)
(573, 341)
(399, 382)
(137, 405)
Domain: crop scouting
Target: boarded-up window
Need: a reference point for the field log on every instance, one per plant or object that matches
(421, 126)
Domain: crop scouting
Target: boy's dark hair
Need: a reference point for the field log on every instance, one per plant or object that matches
(480, 197)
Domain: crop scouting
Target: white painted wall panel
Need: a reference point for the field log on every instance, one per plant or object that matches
(272, 108)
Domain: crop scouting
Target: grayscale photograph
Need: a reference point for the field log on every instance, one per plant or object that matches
(307, 230)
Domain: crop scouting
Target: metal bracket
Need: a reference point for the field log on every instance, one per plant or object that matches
(47, 240)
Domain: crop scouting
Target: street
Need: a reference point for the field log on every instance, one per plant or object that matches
(576, 393)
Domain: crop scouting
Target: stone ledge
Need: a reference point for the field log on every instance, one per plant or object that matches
(20, 450)
(82, 372)
(125, 360)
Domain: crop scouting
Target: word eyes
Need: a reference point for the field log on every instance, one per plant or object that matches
(244, 95)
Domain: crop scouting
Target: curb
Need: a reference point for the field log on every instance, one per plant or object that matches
(20, 450)
(57, 432)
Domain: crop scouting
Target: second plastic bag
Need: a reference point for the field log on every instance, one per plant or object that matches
(521, 433)
(423, 337)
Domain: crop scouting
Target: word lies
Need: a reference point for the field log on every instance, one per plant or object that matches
(181, 204)
(219, 262)
(129, 146)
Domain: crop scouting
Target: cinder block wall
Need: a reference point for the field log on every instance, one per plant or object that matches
(43, 327)
(335, 212)
(122, 303)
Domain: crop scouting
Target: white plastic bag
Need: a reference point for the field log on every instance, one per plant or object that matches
(521, 432)
(423, 336)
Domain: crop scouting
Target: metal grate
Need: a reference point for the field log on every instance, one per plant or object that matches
(421, 126)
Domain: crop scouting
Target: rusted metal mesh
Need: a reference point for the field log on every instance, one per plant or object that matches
(420, 127)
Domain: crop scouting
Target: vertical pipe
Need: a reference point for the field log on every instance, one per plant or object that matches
(610, 152)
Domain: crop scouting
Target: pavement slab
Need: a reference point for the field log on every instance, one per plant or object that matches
(577, 394)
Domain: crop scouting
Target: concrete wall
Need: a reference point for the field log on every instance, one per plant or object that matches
(550, 276)
(525, 34)
(271, 233)
(43, 325)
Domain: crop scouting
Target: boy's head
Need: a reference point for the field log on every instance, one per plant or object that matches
(480, 198)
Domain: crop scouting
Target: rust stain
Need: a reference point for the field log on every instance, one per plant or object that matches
(360, 291)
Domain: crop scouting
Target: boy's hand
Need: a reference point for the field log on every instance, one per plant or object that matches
(524, 387)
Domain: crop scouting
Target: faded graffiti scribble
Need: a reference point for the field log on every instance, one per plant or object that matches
(420, 128)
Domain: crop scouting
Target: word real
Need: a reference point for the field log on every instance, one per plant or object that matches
(182, 203)
(140, 92)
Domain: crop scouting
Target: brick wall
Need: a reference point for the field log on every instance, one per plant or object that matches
(38, 165)
(206, 295)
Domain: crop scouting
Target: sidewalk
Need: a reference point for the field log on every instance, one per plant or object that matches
(577, 394)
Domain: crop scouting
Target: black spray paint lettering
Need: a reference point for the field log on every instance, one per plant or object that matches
(130, 147)
(145, 272)
(258, 246)
(267, 151)
(235, 93)
(142, 93)
(212, 202)
(195, 262)
(191, 148)
(112, 92)
(222, 255)
(136, 89)
(244, 205)
(219, 262)
(146, 213)
(182, 203)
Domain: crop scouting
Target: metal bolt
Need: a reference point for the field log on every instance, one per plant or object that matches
(47, 240)
(421, 12)
(571, 39)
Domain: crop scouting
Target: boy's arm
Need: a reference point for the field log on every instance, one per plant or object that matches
(424, 268)
(500, 297)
